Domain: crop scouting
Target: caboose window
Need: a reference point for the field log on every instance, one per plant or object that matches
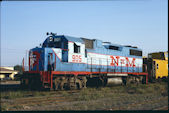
(157, 66)
(135, 52)
(114, 47)
(76, 48)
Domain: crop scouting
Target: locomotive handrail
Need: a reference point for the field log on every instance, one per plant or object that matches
(144, 67)
(91, 64)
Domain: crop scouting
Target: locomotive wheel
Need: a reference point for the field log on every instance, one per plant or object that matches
(132, 80)
(124, 79)
(73, 83)
(24, 83)
(29, 84)
(137, 79)
(79, 84)
(35, 84)
(56, 84)
(144, 80)
(83, 82)
(105, 82)
(32, 85)
(63, 83)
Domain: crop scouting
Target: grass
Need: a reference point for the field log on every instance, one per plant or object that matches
(20, 94)
(96, 93)
(12, 94)
(64, 93)
(4, 107)
(95, 98)
(90, 94)
(93, 93)
(18, 107)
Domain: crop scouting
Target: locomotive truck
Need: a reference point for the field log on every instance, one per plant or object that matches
(65, 62)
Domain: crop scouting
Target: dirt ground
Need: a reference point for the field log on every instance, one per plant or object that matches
(9, 82)
(152, 96)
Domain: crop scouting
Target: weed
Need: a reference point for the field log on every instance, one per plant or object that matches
(65, 93)
(12, 94)
(4, 107)
(39, 93)
(20, 94)
(94, 98)
(17, 107)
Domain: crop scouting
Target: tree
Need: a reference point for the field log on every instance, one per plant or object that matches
(18, 68)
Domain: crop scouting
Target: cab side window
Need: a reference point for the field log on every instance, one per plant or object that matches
(76, 48)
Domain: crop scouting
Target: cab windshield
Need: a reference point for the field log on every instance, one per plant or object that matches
(53, 42)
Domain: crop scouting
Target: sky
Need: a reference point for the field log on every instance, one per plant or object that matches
(141, 23)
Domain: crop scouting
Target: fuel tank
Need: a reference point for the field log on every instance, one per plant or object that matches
(114, 81)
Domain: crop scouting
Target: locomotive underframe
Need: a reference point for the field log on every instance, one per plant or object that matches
(58, 80)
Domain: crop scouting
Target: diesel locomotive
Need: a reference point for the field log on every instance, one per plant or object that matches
(65, 62)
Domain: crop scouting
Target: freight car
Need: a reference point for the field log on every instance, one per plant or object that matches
(65, 62)
(157, 66)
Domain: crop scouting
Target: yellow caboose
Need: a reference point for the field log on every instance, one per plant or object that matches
(157, 65)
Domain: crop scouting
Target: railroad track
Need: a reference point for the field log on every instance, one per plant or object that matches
(53, 97)
(57, 97)
(35, 101)
(135, 105)
(39, 100)
(30, 102)
(162, 108)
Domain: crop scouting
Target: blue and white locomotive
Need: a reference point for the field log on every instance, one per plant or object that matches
(65, 62)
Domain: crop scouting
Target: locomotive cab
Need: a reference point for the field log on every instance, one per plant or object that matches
(56, 50)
